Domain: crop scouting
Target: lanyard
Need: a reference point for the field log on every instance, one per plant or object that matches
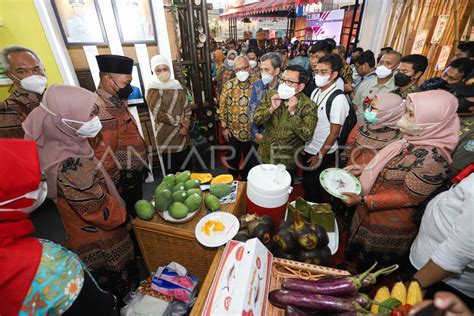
(327, 95)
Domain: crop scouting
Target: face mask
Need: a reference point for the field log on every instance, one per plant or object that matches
(242, 75)
(252, 63)
(321, 81)
(407, 127)
(164, 76)
(34, 83)
(38, 196)
(124, 92)
(88, 129)
(285, 92)
(383, 72)
(267, 78)
(401, 80)
(230, 62)
(370, 116)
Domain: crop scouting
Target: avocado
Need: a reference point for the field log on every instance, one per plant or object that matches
(145, 209)
(178, 187)
(220, 189)
(170, 179)
(192, 184)
(179, 196)
(183, 176)
(195, 191)
(163, 200)
(212, 202)
(193, 202)
(178, 210)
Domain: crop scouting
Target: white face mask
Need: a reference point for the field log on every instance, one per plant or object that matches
(38, 196)
(230, 62)
(267, 78)
(242, 75)
(252, 63)
(285, 92)
(164, 76)
(321, 81)
(88, 129)
(35, 83)
(383, 72)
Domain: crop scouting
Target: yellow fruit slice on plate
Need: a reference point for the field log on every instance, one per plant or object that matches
(223, 178)
(203, 177)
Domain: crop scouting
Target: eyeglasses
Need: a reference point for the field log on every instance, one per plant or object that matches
(287, 82)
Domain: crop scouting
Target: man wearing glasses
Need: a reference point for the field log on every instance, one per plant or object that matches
(234, 116)
(289, 118)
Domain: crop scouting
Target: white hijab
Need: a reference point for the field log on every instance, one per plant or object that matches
(156, 83)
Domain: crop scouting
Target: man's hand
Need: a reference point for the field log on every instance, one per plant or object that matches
(356, 170)
(258, 138)
(351, 199)
(292, 104)
(276, 102)
(226, 134)
(445, 301)
(314, 162)
(185, 122)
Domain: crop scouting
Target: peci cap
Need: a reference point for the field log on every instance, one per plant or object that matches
(115, 64)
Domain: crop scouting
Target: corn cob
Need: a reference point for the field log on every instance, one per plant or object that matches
(399, 291)
(414, 294)
(382, 294)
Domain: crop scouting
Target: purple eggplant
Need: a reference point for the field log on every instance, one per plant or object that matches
(362, 299)
(338, 286)
(371, 279)
(293, 311)
(323, 303)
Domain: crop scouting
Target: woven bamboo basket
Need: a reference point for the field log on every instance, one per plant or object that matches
(282, 269)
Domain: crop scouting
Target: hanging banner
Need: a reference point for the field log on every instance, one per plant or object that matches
(443, 58)
(439, 28)
(327, 24)
(419, 42)
(466, 35)
(272, 25)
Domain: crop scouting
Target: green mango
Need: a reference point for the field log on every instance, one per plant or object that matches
(183, 176)
(212, 202)
(162, 186)
(178, 210)
(170, 179)
(193, 202)
(163, 200)
(195, 191)
(145, 209)
(179, 196)
(192, 184)
(178, 187)
(220, 189)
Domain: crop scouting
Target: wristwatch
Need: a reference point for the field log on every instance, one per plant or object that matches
(362, 200)
(294, 113)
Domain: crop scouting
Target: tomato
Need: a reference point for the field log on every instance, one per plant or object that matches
(401, 310)
(396, 312)
(405, 308)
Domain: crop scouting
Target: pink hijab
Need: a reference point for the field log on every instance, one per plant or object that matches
(56, 141)
(437, 107)
(390, 110)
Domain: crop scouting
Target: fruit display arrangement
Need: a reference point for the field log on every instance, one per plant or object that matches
(180, 194)
(399, 300)
(332, 294)
(295, 239)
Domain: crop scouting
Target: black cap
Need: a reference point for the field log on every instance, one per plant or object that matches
(464, 88)
(115, 64)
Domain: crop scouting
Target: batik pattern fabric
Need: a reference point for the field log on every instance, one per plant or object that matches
(234, 108)
(57, 283)
(383, 229)
(403, 94)
(285, 134)
(119, 146)
(169, 107)
(95, 225)
(258, 91)
(224, 75)
(14, 110)
(346, 73)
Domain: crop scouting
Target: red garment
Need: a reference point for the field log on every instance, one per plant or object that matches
(20, 256)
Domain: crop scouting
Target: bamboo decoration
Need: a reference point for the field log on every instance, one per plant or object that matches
(456, 23)
(400, 23)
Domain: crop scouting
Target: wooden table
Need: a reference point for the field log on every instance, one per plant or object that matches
(162, 242)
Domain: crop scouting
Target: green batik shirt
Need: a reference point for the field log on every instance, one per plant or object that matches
(403, 94)
(285, 134)
(463, 155)
(234, 107)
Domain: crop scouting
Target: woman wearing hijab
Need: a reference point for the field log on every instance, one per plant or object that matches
(227, 71)
(91, 209)
(379, 129)
(38, 276)
(172, 114)
(401, 176)
(219, 61)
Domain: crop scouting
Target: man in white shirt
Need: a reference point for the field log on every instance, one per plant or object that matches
(443, 251)
(320, 152)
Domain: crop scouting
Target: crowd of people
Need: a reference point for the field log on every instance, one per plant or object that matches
(308, 106)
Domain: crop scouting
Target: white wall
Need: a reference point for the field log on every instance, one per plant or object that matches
(374, 24)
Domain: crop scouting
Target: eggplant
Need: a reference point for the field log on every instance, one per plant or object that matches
(305, 236)
(293, 311)
(261, 231)
(285, 241)
(323, 303)
(337, 286)
(307, 256)
(268, 220)
(371, 279)
(362, 299)
(323, 238)
(281, 254)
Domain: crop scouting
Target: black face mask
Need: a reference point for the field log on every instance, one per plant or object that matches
(401, 80)
(464, 105)
(124, 92)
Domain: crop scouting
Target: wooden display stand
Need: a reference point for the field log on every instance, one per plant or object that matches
(162, 242)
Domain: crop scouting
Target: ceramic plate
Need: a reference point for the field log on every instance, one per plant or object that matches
(336, 181)
(167, 217)
(217, 238)
(333, 237)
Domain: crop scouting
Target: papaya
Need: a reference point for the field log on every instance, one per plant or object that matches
(170, 179)
(163, 200)
(179, 196)
(193, 202)
(178, 187)
(145, 209)
(183, 176)
(220, 189)
(192, 184)
(212, 202)
(162, 186)
(194, 191)
(178, 210)
(223, 178)
(203, 177)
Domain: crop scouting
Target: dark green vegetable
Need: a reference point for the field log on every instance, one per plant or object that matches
(260, 230)
(242, 235)
(306, 237)
(268, 221)
(307, 256)
(285, 241)
(281, 254)
(323, 238)
(326, 256)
